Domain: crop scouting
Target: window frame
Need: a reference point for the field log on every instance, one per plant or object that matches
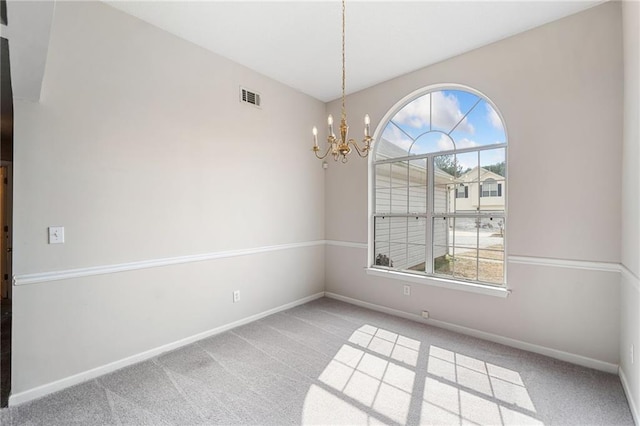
(429, 277)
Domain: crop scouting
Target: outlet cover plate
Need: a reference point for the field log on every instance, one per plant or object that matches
(56, 234)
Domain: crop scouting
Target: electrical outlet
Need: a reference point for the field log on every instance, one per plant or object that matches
(407, 290)
(236, 296)
(425, 314)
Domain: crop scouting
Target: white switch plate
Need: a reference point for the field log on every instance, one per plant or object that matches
(236, 296)
(56, 234)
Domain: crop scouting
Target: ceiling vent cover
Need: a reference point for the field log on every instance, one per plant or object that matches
(249, 97)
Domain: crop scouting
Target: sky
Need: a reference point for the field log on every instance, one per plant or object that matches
(438, 120)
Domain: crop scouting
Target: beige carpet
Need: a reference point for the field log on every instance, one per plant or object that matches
(328, 362)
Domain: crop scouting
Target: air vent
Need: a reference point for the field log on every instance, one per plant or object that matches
(249, 97)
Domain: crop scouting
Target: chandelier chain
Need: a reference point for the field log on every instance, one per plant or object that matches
(344, 72)
(339, 147)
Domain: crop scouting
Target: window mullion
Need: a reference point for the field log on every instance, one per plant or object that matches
(429, 210)
(406, 223)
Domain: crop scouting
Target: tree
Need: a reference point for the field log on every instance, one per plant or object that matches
(448, 164)
(497, 168)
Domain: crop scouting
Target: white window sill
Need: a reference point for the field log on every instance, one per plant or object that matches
(441, 282)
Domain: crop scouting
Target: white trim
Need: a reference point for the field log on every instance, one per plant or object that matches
(553, 353)
(440, 282)
(84, 376)
(630, 276)
(536, 261)
(627, 391)
(40, 277)
(563, 263)
(346, 244)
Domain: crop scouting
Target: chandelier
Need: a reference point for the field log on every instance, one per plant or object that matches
(340, 148)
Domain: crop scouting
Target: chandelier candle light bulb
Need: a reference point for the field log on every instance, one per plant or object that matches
(330, 122)
(341, 147)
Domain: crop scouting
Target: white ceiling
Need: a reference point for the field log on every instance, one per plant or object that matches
(298, 42)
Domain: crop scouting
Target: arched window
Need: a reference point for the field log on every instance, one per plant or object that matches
(438, 194)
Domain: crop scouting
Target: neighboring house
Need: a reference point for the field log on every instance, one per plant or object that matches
(478, 189)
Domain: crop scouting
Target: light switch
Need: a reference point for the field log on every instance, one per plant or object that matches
(56, 234)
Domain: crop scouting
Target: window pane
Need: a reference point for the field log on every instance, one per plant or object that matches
(399, 174)
(491, 253)
(491, 234)
(442, 198)
(449, 109)
(398, 255)
(432, 142)
(417, 255)
(393, 144)
(443, 245)
(418, 199)
(383, 175)
(399, 202)
(466, 200)
(486, 126)
(383, 200)
(492, 162)
(414, 117)
(381, 254)
(446, 168)
(491, 271)
(443, 264)
(417, 230)
(466, 232)
(418, 172)
(465, 263)
(468, 165)
(398, 229)
(493, 198)
(381, 228)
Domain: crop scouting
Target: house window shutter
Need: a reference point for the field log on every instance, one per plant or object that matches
(466, 192)
(499, 190)
(481, 190)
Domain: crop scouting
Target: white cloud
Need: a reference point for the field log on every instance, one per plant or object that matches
(466, 143)
(446, 113)
(494, 118)
(397, 137)
(444, 143)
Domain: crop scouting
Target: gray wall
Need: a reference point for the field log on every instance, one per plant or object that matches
(559, 89)
(630, 284)
(140, 148)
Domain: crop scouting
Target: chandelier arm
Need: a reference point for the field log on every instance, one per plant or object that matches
(362, 152)
(315, 151)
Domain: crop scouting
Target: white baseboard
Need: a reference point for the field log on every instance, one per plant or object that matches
(40, 391)
(553, 353)
(627, 391)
